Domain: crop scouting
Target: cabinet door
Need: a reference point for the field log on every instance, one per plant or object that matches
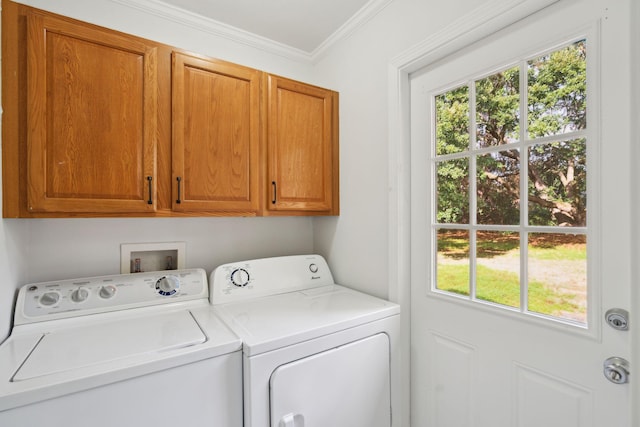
(301, 147)
(91, 119)
(216, 135)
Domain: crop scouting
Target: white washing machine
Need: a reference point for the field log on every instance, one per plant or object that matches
(141, 350)
(315, 354)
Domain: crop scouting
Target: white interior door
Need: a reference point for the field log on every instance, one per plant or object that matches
(486, 361)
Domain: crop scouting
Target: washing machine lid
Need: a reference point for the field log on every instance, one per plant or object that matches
(268, 323)
(118, 339)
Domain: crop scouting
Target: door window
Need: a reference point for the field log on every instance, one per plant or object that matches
(509, 160)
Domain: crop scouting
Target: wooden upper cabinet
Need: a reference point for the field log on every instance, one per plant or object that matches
(91, 119)
(302, 148)
(216, 135)
(100, 123)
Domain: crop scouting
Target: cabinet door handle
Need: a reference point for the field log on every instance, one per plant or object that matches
(273, 185)
(178, 179)
(150, 201)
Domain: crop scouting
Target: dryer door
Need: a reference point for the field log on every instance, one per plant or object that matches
(348, 386)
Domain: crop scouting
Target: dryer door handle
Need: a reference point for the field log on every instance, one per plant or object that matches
(291, 420)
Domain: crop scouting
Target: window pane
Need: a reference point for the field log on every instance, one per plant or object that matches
(452, 178)
(558, 184)
(452, 265)
(480, 130)
(558, 275)
(498, 186)
(497, 108)
(498, 267)
(557, 91)
(452, 121)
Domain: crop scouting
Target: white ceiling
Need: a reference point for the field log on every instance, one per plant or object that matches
(304, 25)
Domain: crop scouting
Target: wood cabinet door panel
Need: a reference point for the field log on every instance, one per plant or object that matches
(300, 146)
(91, 120)
(216, 113)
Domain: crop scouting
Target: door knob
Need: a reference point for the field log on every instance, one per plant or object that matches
(616, 370)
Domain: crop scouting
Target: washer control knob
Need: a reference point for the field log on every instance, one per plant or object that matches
(168, 285)
(107, 292)
(240, 277)
(79, 295)
(49, 298)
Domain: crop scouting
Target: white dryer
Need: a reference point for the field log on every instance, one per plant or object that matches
(128, 350)
(315, 354)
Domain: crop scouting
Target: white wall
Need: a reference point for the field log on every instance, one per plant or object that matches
(356, 243)
(63, 248)
(48, 249)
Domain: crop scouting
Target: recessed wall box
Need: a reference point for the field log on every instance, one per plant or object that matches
(139, 257)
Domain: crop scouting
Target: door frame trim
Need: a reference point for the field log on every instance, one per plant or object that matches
(635, 209)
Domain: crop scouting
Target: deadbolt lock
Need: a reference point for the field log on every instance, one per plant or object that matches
(617, 318)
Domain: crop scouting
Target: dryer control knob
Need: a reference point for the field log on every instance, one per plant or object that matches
(240, 277)
(168, 285)
(79, 295)
(107, 292)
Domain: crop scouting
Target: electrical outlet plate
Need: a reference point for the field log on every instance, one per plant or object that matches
(139, 257)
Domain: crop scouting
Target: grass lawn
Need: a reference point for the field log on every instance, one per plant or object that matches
(503, 287)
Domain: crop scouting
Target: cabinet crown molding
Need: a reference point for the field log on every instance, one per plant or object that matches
(220, 29)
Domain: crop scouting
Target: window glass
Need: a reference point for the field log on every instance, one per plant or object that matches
(498, 267)
(452, 121)
(558, 183)
(452, 178)
(557, 270)
(497, 108)
(452, 267)
(557, 91)
(496, 189)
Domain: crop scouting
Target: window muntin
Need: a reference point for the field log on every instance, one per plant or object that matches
(510, 200)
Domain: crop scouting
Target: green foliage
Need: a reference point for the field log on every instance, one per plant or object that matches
(497, 108)
(453, 191)
(498, 184)
(556, 93)
(452, 121)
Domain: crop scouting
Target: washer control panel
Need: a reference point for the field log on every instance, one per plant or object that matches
(76, 297)
(267, 276)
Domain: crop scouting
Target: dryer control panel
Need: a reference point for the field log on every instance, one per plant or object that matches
(75, 297)
(267, 276)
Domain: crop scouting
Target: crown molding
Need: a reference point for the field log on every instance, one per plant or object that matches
(220, 29)
(216, 28)
(364, 15)
(478, 23)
